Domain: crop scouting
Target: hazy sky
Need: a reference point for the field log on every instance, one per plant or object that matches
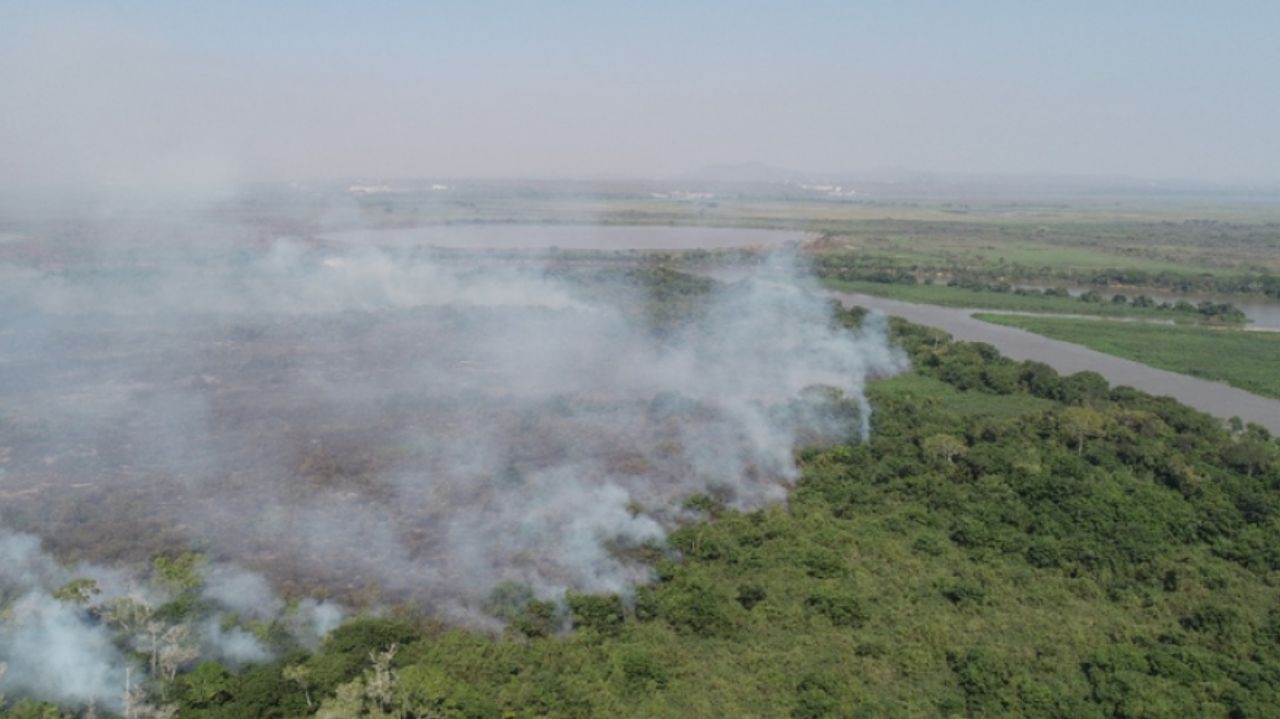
(211, 92)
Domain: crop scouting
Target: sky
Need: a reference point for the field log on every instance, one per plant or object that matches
(205, 94)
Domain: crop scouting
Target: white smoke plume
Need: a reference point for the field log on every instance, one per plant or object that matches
(248, 594)
(52, 648)
(341, 417)
(53, 652)
(233, 644)
(63, 646)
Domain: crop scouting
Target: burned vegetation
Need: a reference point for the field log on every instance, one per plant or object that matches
(410, 428)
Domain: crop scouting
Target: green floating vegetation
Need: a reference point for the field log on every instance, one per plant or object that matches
(1246, 359)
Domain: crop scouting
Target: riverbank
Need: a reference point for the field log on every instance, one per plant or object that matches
(1037, 302)
(1246, 360)
(1216, 398)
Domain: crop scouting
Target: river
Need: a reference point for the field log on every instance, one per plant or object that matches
(1213, 397)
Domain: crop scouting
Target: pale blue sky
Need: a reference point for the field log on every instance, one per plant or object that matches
(206, 91)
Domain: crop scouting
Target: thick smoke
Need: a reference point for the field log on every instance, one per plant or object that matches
(398, 423)
(51, 648)
(64, 645)
(53, 652)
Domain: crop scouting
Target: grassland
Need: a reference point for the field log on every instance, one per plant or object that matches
(1181, 256)
(1248, 360)
(1009, 246)
(1008, 301)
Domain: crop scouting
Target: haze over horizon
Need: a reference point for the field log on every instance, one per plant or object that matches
(203, 96)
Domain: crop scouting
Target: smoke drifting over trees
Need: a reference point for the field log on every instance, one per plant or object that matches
(342, 419)
(49, 647)
(73, 633)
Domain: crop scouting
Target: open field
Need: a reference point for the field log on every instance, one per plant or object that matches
(977, 299)
(1183, 256)
(1248, 360)
(1061, 244)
